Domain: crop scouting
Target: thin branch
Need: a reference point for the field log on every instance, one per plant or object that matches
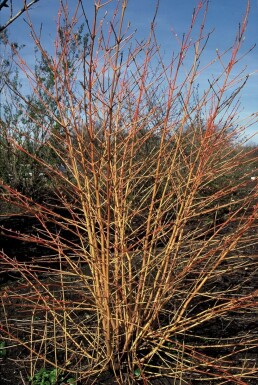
(18, 14)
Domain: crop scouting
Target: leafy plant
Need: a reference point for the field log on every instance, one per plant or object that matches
(3, 350)
(50, 377)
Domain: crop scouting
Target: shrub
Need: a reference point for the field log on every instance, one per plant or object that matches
(135, 274)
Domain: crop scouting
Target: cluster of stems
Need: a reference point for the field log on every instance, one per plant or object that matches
(145, 212)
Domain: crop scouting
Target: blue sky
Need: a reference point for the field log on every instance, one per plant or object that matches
(223, 19)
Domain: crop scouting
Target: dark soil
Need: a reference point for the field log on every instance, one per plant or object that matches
(209, 338)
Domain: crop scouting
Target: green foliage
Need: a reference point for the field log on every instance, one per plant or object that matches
(50, 377)
(31, 130)
(137, 372)
(3, 351)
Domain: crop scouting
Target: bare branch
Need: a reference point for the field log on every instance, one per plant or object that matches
(18, 14)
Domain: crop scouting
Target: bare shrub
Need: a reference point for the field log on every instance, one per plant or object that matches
(142, 231)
